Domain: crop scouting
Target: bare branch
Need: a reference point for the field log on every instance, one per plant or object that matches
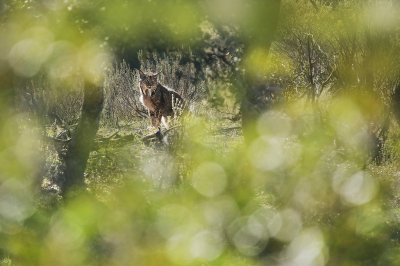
(169, 129)
(55, 141)
(107, 138)
(156, 134)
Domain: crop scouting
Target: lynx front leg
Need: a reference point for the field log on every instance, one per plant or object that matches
(165, 121)
(153, 118)
(158, 117)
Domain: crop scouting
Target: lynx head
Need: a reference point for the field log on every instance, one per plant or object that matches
(148, 80)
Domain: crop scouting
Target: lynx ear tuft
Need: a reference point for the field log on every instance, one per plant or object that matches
(140, 72)
(157, 73)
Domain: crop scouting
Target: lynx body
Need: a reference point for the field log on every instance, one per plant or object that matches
(158, 99)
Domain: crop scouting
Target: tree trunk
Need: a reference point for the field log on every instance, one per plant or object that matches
(82, 141)
(396, 103)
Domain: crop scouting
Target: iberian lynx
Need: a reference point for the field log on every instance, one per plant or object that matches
(158, 99)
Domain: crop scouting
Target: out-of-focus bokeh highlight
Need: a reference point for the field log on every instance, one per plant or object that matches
(288, 153)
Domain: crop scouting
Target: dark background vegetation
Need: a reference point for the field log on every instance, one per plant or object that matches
(287, 152)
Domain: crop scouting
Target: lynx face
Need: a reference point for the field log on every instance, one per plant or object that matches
(148, 82)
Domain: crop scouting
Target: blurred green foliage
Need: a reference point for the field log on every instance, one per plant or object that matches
(318, 184)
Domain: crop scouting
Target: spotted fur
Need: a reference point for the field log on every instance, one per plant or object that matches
(157, 98)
